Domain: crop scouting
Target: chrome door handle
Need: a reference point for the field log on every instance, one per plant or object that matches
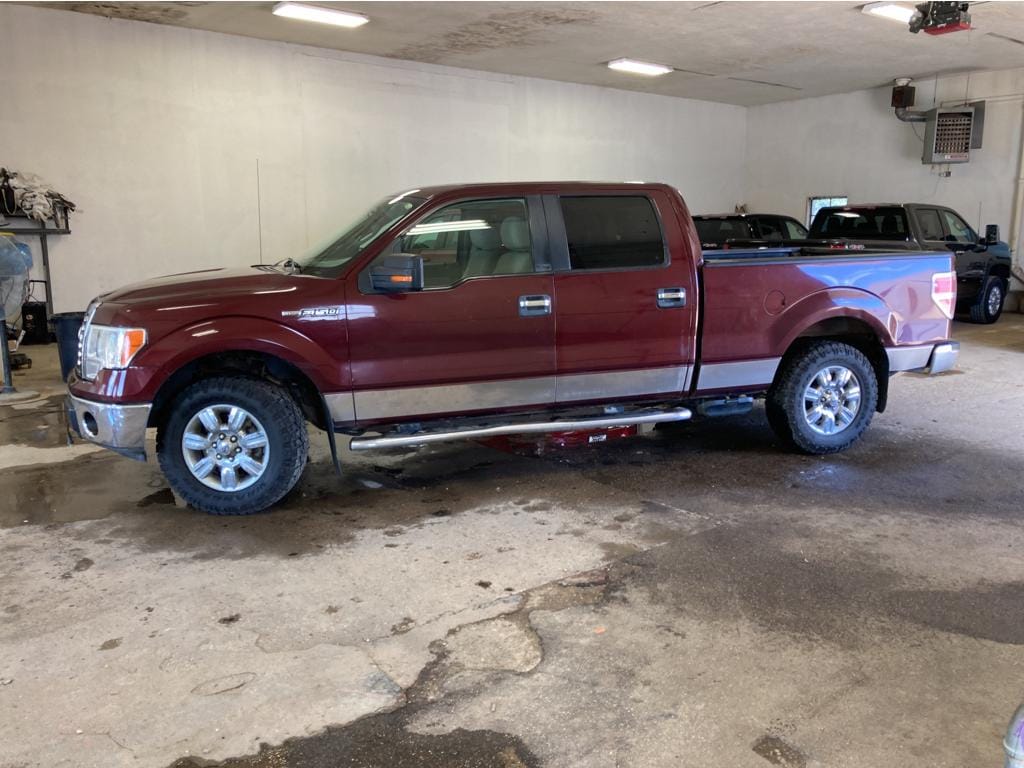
(532, 306)
(671, 297)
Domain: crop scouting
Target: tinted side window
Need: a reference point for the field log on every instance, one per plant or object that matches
(794, 230)
(958, 229)
(770, 228)
(475, 238)
(861, 224)
(719, 230)
(931, 227)
(612, 232)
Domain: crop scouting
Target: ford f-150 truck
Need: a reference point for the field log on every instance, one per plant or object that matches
(982, 263)
(478, 310)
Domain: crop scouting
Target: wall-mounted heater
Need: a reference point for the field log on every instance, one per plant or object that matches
(950, 133)
(947, 135)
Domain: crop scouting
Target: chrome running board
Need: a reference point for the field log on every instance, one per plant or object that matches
(423, 438)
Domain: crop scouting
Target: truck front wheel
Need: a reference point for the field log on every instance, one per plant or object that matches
(989, 305)
(233, 446)
(823, 398)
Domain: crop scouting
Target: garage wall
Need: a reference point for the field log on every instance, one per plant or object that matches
(852, 144)
(156, 132)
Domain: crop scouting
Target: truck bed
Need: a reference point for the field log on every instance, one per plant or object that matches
(756, 302)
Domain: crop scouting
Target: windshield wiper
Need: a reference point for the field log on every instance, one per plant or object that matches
(288, 266)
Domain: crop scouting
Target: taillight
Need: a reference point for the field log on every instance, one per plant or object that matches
(944, 292)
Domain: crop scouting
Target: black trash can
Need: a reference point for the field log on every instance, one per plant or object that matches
(66, 326)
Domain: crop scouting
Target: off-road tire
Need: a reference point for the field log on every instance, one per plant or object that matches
(286, 432)
(980, 312)
(785, 403)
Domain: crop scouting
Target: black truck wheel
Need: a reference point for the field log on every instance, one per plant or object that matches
(989, 305)
(823, 398)
(233, 446)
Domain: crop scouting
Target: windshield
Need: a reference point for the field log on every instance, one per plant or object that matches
(720, 230)
(330, 256)
(868, 223)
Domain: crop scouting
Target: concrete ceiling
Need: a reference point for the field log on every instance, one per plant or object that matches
(735, 52)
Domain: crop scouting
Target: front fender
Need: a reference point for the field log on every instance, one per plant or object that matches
(162, 357)
(243, 334)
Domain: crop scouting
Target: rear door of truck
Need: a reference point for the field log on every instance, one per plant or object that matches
(625, 295)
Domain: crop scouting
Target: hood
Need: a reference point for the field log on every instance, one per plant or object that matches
(209, 286)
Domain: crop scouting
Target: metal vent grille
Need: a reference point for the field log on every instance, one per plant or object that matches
(953, 133)
(948, 136)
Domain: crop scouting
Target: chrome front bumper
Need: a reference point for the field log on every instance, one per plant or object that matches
(930, 358)
(120, 428)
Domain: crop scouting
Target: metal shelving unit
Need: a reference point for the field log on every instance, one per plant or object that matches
(21, 225)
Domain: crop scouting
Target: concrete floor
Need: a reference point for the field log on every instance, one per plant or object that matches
(693, 597)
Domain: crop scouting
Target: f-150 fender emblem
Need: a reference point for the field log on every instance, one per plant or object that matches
(316, 313)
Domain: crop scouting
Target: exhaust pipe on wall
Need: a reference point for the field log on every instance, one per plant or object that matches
(903, 100)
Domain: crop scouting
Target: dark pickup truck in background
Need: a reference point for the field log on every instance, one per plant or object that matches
(722, 230)
(478, 310)
(982, 263)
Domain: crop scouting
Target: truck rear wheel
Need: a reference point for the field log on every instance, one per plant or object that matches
(823, 398)
(233, 446)
(989, 305)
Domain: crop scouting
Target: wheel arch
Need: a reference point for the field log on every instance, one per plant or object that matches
(249, 363)
(859, 333)
(1000, 270)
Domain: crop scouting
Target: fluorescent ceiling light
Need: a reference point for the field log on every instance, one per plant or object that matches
(639, 67)
(319, 15)
(894, 11)
(448, 226)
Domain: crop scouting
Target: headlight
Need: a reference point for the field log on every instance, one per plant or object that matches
(109, 347)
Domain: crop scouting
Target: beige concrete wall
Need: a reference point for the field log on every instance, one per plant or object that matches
(156, 131)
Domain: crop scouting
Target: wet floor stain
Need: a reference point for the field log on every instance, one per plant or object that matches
(163, 496)
(383, 741)
(732, 463)
(987, 612)
(777, 752)
(758, 571)
(41, 426)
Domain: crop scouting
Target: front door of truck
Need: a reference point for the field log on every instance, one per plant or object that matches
(625, 298)
(480, 336)
(971, 262)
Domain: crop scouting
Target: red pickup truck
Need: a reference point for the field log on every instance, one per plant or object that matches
(478, 310)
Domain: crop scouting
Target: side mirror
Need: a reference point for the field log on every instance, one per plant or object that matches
(991, 234)
(398, 273)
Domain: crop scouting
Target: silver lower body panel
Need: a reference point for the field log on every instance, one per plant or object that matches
(413, 402)
(121, 428)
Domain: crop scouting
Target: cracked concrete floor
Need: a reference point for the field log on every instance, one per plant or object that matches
(691, 597)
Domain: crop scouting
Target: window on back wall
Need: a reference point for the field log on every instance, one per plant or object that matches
(815, 204)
